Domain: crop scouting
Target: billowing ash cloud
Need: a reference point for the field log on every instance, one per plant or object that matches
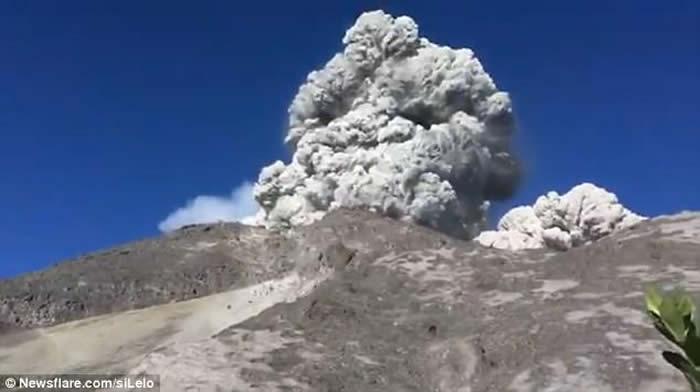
(240, 206)
(397, 125)
(586, 213)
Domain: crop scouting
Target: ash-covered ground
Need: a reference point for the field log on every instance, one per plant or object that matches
(356, 301)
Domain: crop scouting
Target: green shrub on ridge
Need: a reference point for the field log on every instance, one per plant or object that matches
(673, 315)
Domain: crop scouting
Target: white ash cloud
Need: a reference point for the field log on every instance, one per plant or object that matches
(586, 213)
(239, 206)
(397, 125)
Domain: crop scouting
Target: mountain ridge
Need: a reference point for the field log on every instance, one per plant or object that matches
(357, 301)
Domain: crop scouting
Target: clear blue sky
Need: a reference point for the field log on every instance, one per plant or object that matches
(114, 113)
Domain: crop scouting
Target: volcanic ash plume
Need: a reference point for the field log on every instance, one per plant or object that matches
(397, 125)
(586, 213)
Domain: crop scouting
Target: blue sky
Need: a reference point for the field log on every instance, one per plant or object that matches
(114, 114)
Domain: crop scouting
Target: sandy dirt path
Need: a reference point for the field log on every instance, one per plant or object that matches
(116, 342)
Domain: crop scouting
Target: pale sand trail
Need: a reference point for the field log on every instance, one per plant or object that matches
(116, 342)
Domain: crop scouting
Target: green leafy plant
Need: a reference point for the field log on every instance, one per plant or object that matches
(673, 315)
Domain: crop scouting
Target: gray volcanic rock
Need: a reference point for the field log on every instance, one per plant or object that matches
(359, 302)
(189, 263)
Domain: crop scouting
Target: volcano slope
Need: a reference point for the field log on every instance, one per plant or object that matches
(355, 302)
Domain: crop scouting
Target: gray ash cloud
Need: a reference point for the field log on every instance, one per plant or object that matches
(397, 125)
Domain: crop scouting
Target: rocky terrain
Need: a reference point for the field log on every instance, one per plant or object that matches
(355, 302)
